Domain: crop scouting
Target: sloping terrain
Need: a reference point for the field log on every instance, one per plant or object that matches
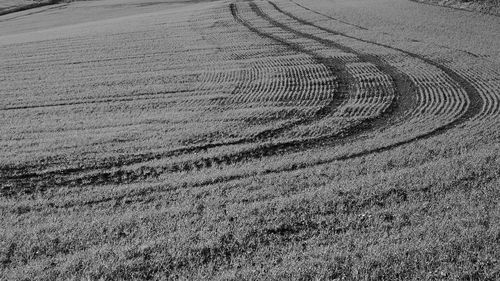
(251, 140)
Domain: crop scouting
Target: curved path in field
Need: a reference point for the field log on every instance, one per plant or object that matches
(209, 86)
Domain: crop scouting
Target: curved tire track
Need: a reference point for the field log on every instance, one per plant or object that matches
(401, 81)
(472, 93)
(32, 182)
(473, 110)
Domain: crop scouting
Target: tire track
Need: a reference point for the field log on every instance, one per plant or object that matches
(55, 178)
(472, 93)
(402, 81)
(471, 111)
(25, 181)
(315, 38)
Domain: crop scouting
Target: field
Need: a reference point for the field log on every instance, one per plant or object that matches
(253, 140)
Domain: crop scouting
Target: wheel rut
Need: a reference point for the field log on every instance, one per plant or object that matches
(475, 100)
(398, 111)
(335, 66)
(472, 109)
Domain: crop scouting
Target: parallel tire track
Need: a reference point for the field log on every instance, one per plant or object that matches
(474, 97)
(26, 182)
(99, 175)
(472, 110)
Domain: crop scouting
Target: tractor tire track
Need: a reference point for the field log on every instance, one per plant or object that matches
(28, 174)
(471, 111)
(56, 178)
(25, 182)
(475, 100)
(401, 82)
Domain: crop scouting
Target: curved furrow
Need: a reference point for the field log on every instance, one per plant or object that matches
(441, 101)
(59, 178)
(487, 82)
(122, 176)
(338, 51)
(55, 176)
(470, 111)
(475, 98)
(274, 90)
(373, 91)
(449, 78)
(278, 88)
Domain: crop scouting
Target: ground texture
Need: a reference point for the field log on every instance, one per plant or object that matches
(484, 6)
(286, 140)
